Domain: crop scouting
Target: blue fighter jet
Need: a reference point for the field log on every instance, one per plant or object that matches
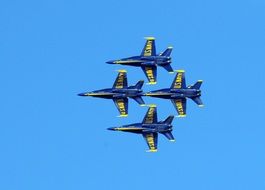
(148, 60)
(150, 128)
(120, 92)
(178, 92)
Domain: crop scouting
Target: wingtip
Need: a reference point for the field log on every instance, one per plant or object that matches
(172, 140)
(200, 80)
(151, 83)
(122, 71)
(152, 105)
(155, 150)
(125, 115)
(180, 71)
(149, 38)
(202, 105)
(181, 115)
(170, 47)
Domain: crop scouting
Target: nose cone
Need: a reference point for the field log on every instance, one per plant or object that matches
(82, 94)
(112, 128)
(111, 62)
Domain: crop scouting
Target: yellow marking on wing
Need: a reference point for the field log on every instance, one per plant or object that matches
(150, 141)
(148, 47)
(122, 109)
(200, 80)
(150, 115)
(178, 80)
(180, 71)
(120, 81)
(150, 75)
(172, 140)
(170, 47)
(180, 108)
(201, 105)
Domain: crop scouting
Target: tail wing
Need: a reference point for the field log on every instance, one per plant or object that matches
(139, 100)
(168, 68)
(139, 84)
(151, 73)
(149, 47)
(197, 85)
(151, 115)
(122, 106)
(169, 136)
(179, 81)
(151, 140)
(180, 105)
(198, 101)
(121, 80)
(169, 119)
(167, 52)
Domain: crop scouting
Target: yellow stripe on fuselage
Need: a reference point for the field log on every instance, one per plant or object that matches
(128, 128)
(99, 94)
(128, 61)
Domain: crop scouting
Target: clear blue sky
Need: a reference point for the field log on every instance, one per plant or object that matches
(53, 49)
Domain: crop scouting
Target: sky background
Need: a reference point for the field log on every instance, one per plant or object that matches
(50, 138)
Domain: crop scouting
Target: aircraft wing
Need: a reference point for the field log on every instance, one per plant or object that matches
(179, 81)
(150, 116)
(122, 106)
(150, 72)
(121, 80)
(149, 47)
(180, 105)
(151, 140)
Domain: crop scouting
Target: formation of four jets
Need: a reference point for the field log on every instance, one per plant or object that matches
(177, 93)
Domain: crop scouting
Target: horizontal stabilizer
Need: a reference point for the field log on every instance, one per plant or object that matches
(169, 136)
(168, 68)
(139, 84)
(169, 119)
(167, 52)
(197, 85)
(139, 100)
(198, 101)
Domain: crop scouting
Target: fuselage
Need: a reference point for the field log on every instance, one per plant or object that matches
(143, 60)
(110, 93)
(144, 128)
(168, 93)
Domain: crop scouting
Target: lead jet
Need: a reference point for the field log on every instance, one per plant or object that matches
(150, 128)
(120, 92)
(178, 92)
(148, 60)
